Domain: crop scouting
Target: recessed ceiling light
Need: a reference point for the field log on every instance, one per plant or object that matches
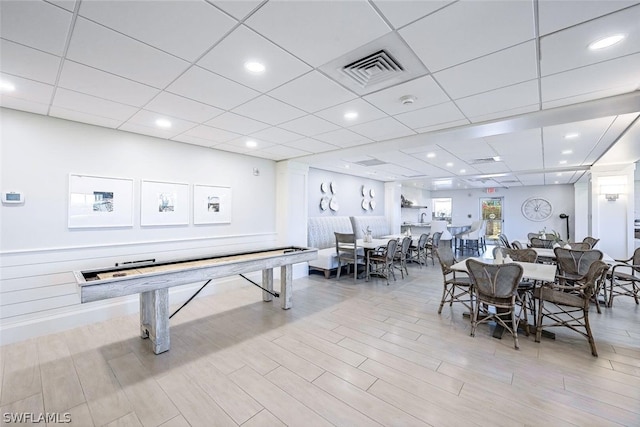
(346, 166)
(567, 151)
(497, 158)
(606, 42)
(463, 170)
(251, 144)
(163, 123)
(254, 67)
(6, 86)
(351, 115)
(559, 174)
(556, 182)
(563, 162)
(449, 164)
(572, 135)
(431, 155)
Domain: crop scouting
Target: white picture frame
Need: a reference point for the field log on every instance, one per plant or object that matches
(211, 204)
(96, 201)
(164, 203)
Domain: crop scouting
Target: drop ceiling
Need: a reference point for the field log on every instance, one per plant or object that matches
(494, 87)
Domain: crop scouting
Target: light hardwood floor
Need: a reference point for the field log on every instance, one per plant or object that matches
(346, 354)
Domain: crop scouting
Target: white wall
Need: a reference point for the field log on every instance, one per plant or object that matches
(38, 252)
(348, 194)
(466, 207)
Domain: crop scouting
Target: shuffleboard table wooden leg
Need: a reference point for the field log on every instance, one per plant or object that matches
(286, 286)
(267, 283)
(154, 319)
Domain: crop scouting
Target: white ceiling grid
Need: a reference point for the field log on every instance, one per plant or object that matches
(489, 73)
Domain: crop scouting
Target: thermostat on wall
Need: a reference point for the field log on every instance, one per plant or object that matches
(12, 198)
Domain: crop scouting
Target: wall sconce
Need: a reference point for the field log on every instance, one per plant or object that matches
(612, 191)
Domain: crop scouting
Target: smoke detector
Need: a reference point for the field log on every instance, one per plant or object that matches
(407, 99)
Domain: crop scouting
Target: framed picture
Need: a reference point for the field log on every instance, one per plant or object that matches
(96, 201)
(164, 203)
(211, 204)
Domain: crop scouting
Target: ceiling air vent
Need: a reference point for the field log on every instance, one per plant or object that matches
(372, 162)
(373, 69)
(484, 160)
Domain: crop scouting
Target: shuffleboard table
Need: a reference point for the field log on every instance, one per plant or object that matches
(153, 280)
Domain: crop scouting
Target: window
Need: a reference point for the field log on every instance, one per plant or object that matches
(441, 209)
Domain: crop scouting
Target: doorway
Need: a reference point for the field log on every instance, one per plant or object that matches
(491, 212)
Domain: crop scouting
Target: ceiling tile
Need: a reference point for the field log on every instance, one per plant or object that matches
(568, 49)
(443, 125)
(82, 117)
(505, 113)
(183, 108)
(502, 99)
(276, 135)
(29, 63)
(148, 119)
(237, 9)
(27, 90)
(211, 134)
(507, 67)
(402, 12)
(65, 4)
(268, 110)
(113, 52)
(366, 112)
(188, 139)
(380, 130)
(279, 152)
(258, 144)
(343, 138)
(332, 28)
(311, 145)
(24, 105)
(424, 89)
(429, 116)
(147, 130)
(244, 45)
(312, 92)
(619, 75)
(36, 24)
(236, 123)
(467, 30)
(185, 29)
(520, 151)
(204, 86)
(309, 125)
(80, 78)
(91, 105)
(555, 15)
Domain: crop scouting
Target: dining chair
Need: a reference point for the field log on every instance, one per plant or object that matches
(402, 253)
(432, 243)
(456, 285)
(380, 261)
(574, 264)
(418, 252)
(347, 253)
(568, 305)
(537, 242)
(516, 245)
(470, 239)
(581, 246)
(503, 241)
(495, 285)
(592, 241)
(624, 279)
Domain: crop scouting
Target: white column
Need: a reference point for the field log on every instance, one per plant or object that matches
(580, 221)
(612, 220)
(292, 207)
(392, 211)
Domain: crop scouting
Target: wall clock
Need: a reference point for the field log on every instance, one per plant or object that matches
(537, 209)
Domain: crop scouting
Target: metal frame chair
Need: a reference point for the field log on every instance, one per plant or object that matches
(573, 264)
(568, 305)
(624, 279)
(380, 261)
(401, 256)
(455, 287)
(495, 285)
(432, 243)
(592, 241)
(347, 253)
(418, 252)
